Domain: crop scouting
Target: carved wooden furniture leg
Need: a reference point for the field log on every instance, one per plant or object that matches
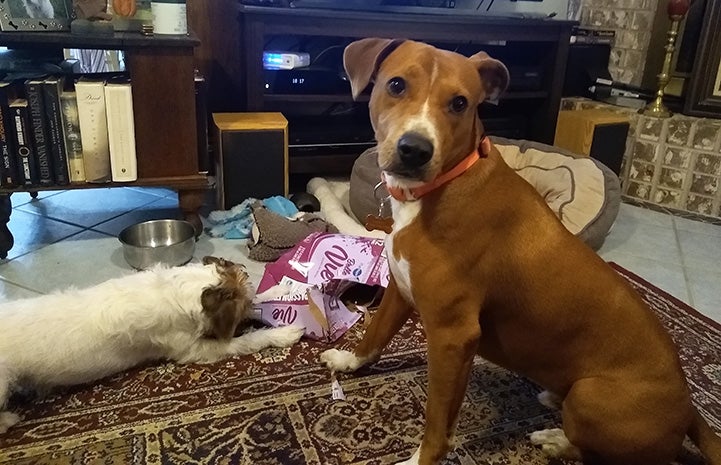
(6, 237)
(190, 201)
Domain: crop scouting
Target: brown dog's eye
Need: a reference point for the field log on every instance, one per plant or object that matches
(459, 104)
(396, 86)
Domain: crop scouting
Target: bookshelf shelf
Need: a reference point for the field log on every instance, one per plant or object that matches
(116, 41)
(161, 70)
(178, 182)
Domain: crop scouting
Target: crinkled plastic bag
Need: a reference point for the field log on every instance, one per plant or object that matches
(318, 270)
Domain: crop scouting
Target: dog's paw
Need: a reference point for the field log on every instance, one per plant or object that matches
(286, 336)
(7, 420)
(413, 460)
(341, 360)
(273, 293)
(554, 443)
(550, 400)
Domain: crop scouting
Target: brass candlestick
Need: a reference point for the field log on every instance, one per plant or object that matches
(676, 11)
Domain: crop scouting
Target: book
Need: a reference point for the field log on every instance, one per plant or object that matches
(22, 128)
(121, 130)
(9, 176)
(90, 96)
(52, 87)
(72, 137)
(38, 130)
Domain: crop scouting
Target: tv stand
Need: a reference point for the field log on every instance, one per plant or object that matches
(528, 112)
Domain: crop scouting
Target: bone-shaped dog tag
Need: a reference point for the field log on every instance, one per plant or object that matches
(379, 222)
(374, 223)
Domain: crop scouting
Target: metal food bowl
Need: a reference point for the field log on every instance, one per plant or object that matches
(168, 242)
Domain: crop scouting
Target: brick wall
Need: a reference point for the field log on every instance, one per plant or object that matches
(632, 20)
(669, 162)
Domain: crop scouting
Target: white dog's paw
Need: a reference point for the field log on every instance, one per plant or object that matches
(413, 460)
(7, 420)
(555, 444)
(550, 400)
(286, 336)
(340, 360)
(273, 293)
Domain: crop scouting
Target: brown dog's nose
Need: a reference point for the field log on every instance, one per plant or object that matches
(414, 150)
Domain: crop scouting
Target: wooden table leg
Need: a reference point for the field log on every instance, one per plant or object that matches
(6, 237)
(190, 202)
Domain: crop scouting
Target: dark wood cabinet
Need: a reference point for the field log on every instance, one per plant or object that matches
(522, 43)
(161, 70)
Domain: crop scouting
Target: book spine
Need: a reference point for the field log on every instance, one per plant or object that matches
(51, 97)
(121, 132)
(39, 132)
(94, 130)
(8, 147)
(72, 137)
(26, 160)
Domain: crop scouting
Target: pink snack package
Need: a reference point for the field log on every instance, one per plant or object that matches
(318, 270)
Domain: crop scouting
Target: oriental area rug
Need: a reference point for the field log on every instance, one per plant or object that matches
(275, 407)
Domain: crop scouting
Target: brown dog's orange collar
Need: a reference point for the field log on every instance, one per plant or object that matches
(414, 193)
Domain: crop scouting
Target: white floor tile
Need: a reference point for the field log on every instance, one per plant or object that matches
(32, 232)
(705, 289)
(644, 215)
(157, 191)
(82, 260)
(21, 198)
(9, 291)
(666, 276)
(638, 238)
(684, 224)
(162, 208)
(700, 250)
(89, 207)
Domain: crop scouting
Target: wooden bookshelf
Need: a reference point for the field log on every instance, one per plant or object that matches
(161, 69)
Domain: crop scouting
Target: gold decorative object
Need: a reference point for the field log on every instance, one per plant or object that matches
(677, 9)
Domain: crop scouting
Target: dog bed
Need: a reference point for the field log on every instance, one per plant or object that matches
(583, 193)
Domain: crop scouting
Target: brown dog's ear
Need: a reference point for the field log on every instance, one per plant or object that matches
(362, 59)
(222, 310)
(494, 74)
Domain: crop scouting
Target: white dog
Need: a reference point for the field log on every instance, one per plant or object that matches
(39, 8)
(186, 314)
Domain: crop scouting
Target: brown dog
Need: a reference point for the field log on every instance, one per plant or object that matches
(491, 271)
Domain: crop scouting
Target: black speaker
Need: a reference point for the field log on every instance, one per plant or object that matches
(598, 133)
(251, 156)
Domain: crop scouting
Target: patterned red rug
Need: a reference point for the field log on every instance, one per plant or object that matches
(275, 407)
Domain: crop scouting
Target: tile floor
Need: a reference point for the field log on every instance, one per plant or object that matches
(68, 238)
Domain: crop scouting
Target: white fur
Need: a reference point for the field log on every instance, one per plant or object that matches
(550, 400)
(555, 444)
(403, 214)
(39, 8)
(341, 360)
(332, 204)
(78, 336)
(413, 460)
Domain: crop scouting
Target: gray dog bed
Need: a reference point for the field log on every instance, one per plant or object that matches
(583, 193)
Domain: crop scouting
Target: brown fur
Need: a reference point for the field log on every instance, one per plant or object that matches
(229, 303)
(495, 273)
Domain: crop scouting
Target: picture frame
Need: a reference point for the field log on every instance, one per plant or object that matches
(35, 15)
(703, 96)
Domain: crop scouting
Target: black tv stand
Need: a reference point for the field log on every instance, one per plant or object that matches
(523, 112)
